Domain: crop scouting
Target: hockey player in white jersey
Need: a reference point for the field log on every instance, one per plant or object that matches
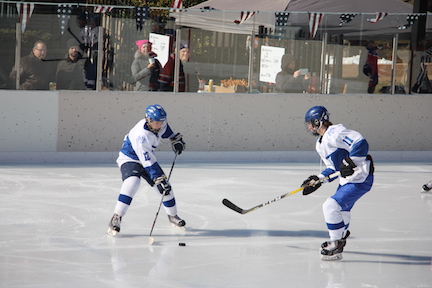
(343, 150)
(137, 160)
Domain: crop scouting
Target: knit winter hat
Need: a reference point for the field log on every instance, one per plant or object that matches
(139, 43)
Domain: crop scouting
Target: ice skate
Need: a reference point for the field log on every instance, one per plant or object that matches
(427, 187)
(114, 225)
(176, 221)
(347, 234)
(330, 254)
(332, 250)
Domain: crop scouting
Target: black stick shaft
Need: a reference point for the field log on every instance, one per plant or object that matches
(163, 195)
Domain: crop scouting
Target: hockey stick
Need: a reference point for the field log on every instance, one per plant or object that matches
(151, 239)
(237, 209)
(74, 36)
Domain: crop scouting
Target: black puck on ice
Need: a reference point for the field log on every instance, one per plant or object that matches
(182, 244)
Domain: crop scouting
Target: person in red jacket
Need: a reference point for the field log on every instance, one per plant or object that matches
(166, 77)
(371, 67)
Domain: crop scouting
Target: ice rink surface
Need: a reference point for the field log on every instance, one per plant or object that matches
(54, 219)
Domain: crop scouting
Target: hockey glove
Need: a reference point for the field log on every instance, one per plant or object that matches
(163, 185)
(347, 167)
(178, 145)
(309, 185)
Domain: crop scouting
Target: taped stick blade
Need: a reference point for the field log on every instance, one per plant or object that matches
(232, 206)
(151, 240)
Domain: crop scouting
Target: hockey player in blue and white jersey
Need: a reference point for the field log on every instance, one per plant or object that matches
(343, 150)
(137, 159)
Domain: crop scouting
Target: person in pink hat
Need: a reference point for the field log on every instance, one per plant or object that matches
(145, 67)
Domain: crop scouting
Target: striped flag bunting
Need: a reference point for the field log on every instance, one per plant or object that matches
(141, 16)
(314, 21)
(378, 17)
(245, 15)
(103, 9)
(25, 11)
(63, 12)
(176, 6)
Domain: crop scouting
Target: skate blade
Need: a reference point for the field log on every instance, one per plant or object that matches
(112, 232)
(183, 228)
(334, 257)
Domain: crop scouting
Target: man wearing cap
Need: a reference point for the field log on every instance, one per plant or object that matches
(166, 77)
(70, 72)
(145, 67)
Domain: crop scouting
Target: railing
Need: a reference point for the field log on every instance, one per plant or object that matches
(242, 55)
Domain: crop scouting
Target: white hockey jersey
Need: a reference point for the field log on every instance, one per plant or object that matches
(139, 146)
(338, 143)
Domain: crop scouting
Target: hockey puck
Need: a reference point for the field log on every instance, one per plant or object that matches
(182, 244)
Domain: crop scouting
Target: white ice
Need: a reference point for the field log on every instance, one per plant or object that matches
(54, 219)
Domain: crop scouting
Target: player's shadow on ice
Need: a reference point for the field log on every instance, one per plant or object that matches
(256, 233)
(402, 259)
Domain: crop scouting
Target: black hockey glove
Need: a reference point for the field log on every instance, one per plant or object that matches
(177, 143)
(347, 167)
(163, 185)
(308, 185)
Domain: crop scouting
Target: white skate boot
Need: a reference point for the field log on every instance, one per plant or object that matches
(114, 225)
(332, 250)
(176, 221)
(427, 187)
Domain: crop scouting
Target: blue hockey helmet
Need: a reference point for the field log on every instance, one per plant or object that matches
(156, 113)
(316, 116)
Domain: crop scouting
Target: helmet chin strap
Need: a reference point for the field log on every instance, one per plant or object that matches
(148, 121)
(316, 127)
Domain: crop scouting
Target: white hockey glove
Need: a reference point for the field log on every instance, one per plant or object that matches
(178, 145)
(163, 185)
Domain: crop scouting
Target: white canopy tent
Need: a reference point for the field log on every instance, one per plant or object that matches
(225, 15)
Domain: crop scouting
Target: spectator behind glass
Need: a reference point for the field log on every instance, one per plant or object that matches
(34, 73)
(70, 72)
(422, 84)
(166, 77)
(371, 66)
(145, 67)
(290, 80)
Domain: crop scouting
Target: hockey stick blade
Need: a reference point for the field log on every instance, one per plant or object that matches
(232, 206)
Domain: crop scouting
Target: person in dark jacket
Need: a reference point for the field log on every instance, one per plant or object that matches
(290, 80)
(371, 67)
(34, 74)
(70, 72)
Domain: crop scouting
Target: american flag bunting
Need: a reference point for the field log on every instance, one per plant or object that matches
(346, 18)
(63, 12)
(176, 6)
(25, 11)
(410, 21)
(244, 15)
(141, 16)
(314, 21)
(102, 9)
(378, 17)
